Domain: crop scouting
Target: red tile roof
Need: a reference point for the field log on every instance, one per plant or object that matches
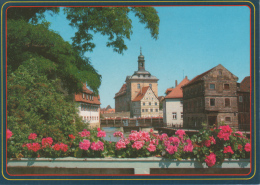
(245, 84)
(141, 94)
(79, 98)
(177, 91)
(168, 90)
(122, 91)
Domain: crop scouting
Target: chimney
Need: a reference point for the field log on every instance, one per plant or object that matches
(186, 77)
(176, 83)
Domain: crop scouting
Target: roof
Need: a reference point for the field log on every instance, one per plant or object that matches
(169, 90)
(141, 94)
(177, 91)
(79, 98)
(160, 98)
(245, 84)
(122, 91)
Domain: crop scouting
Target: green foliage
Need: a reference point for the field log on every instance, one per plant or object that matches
(36, 105)
(113, 22)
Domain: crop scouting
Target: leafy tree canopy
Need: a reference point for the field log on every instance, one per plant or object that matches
(27, 37)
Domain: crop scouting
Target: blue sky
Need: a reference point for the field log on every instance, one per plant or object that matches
(191, 41)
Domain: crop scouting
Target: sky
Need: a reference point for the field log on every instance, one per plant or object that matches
(191, 41)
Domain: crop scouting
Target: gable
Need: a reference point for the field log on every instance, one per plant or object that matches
(219, 73)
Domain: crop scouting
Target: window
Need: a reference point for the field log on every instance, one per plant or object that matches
(227, 118)
(156, 110)
(220, 72)
(150, 85)
(212, 86)
(212, 102)
(138, 86)
(146, 110)
(143, 103)
(151, 110)
(240, 98)
(87, 96)
(150, 103)
(85, 107)
(181, 115)
(82, 107)
(83, 95)
(143, 75)
(155, 103)
(181, 102)
(174, 115)
(226, 86)
(142, 110)
(227, 102)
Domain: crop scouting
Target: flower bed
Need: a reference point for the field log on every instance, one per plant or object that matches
(211, 146)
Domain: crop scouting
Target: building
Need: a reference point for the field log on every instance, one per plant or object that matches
(133, 85)
(89, 107)
(107, 110)
(211, 98)
(243, 102)
(145, 104)
(173, 105)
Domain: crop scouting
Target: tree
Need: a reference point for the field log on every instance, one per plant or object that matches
(27, 37)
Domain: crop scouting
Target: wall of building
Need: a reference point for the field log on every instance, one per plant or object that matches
(171, 106)
(90, 114)
(135, 90)
(121, 103)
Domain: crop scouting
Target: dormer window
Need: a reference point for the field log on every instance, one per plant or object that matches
(83, 95)
(87, 96)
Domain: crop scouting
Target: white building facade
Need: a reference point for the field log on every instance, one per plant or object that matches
(89, 107)
(173, 106)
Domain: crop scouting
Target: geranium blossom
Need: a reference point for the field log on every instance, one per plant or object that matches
(101, 134)
(211, 159)
(63, 147)
(174, 140)
(120, 144)
(134, 136)
(228, 149)
(225, 132)
(211, 140)
(33, 146)
(56, 147)
(8, 134)
(144, 136)
(171, 149)
(239, 147)
(97, 146)
(138, 145)
(248, 147)
(84, 133)
(238, 134)
(163, 137)
(32, 136)
(151, 147)
(84, 145)
(71, 136)
(180, 133)
(118, 134)
(47, 142)
(188, 147)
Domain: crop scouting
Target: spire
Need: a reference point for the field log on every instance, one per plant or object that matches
(141, 50)
(141, 64)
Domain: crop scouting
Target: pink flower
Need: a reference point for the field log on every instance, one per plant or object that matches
(151, 130)
(118, 134)
(101, 134)
(46, 142)
(228, 149)
(225, 132)
(239, 147)
(33, 146)
(84, 133)
(248, 147)
(71, 136)
(188, 147)
(238, 134)
(171, 149)
(63, 147)
(144, 136)
(8, 134)
(120, 144)
(163, 137)
(138, 145)
(211, 140)
(32, 136)
(154, 141)
(211, 159)
(134, 136)
(174, 140)
(180, 133)
(84, 145)
(56, 147)
(97, 146)
(98, 129)
(151, 147)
